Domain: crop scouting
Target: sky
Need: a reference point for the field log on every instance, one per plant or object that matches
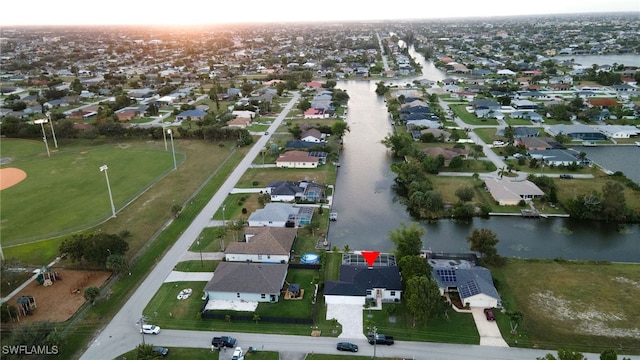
(196, 12)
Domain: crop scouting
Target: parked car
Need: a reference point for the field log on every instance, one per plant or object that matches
(346, 346)
(238, 354)
(380, 339)
(223, 341)
(489, 314)
(566, 176)
(150, 329)
(160, 350)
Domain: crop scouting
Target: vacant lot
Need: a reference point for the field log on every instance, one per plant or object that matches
(586, 306)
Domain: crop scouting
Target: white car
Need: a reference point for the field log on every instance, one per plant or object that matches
(150, 329)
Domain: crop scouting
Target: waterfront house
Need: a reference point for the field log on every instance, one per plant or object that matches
(505, 191)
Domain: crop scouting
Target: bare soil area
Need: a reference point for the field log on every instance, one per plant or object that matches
(60, 300)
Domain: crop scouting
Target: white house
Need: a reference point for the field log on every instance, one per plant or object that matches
(281, 215)
(263, 245)
(508, 192)
(242, 281)
(619, 131)
(297, 159)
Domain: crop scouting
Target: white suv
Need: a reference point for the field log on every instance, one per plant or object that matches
(150, 329)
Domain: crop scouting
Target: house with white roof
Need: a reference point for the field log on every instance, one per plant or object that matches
(508, 192)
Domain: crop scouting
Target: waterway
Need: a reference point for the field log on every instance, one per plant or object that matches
(368, 207)
(588, 60)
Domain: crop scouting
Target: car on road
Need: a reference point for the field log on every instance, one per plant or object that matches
(489, 314)
(150, 329)
(160, 350)
(347, 346)
(266, 133)
(566, 176)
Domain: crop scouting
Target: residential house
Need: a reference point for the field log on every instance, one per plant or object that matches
(485, 104)
(263, 245)
(505, 191)
(191, 115)
(524, 105)
(473, 284)
(255, 282)
(299, 144)
(297, 159)
(313, 135)
(315, 113)
(576, 132)
(619, 131)
(281, 215)
(239, 123)
(523, 131)
(559, 157)
(536, 143)
(447, 153)
(359, 282)
(244, 114)
(285, 191)
(529, 115)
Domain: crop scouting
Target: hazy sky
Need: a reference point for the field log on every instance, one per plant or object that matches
(185, 12)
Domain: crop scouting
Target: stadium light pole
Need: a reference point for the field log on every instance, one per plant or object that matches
(53, 132)
(44, 135)
(106, 175)
(164, 135)
(173, 150)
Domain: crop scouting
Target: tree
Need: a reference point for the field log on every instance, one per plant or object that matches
(483, 241)
(145, 352)
(515, 318)
(614, 206)
(413, 265)
(407, 239)
(423, 299)
(464, 193)
(339, 128)
(117, 263)
(175, 210)
(457, 162)
(564, 355)
(400, 143)
(304, 105)
(91, 294)
(256, 318)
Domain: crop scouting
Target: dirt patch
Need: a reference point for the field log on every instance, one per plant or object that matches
(59, 301)
(10, 177)
(589, 321)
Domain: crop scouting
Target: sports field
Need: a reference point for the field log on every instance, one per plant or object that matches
(67, 191)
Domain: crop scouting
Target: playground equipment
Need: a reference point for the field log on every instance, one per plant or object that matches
(46, 277)
(26, 305)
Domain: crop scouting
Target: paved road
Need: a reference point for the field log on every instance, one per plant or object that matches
(300, 345)
(122, 333)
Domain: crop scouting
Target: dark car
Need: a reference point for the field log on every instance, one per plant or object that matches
(345, 346)
(566, 176)
(489, 314)
(160, 350)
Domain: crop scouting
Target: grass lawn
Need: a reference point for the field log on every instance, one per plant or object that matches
(147, 213)
(569, 188)
(185, 353)
(197, 265)
(517, 122)
(457, 328)
(586, 306)
(69, 190)
(469, 118)
(324, 174)
(164, 309)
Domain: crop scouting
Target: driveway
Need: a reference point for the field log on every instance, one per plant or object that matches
(350, 317)
(488, 330)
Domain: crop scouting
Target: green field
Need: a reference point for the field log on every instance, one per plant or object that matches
(584, 306)
(67, 191)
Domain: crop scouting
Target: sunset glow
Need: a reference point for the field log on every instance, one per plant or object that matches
(195, 12)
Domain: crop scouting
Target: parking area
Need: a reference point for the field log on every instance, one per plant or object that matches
(489, 332)
(350, 317)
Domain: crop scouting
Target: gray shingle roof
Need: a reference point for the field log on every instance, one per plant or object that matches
(248, 278)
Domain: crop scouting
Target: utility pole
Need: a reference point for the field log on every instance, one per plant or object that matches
(375, 337)
(142, 319)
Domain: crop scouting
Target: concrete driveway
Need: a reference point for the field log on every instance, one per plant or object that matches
(488, 330)
(350, 317)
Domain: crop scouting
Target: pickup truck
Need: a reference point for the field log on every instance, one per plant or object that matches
(381, 339)
(223, 341)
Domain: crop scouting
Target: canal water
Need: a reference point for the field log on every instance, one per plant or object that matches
(368, 207)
